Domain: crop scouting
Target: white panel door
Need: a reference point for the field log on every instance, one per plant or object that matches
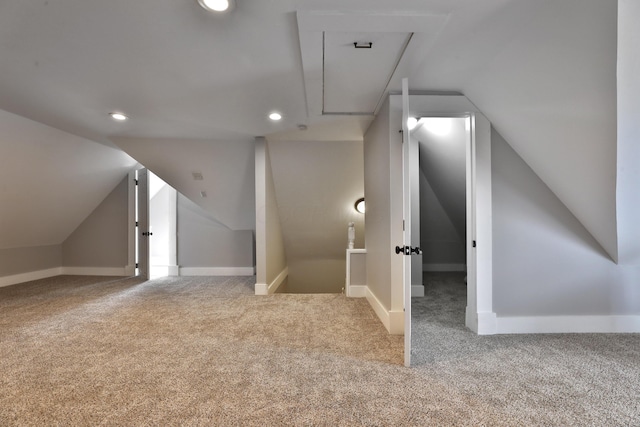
(143, 223)
(407, 166)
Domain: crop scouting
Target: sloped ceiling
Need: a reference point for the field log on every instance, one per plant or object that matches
(227, 169)
(442, 160)
(542, 71)
(50, 181)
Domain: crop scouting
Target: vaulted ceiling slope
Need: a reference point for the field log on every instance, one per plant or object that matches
(50, 181)
(543, 71)
(226, 174)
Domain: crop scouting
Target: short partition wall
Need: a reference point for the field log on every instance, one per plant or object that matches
(356, 279)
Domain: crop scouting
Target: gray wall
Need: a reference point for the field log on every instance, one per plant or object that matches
(383, 192)
(101, 240)
(205, 242)
(439, 239)
(544, 261)
(378, 199)
(628, 178)
(316, 185)
(25, 260)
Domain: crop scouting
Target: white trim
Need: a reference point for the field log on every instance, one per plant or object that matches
(568, 324)
(393, 321)
(417, 291)
(130, 270)
(217, 271)
(28, 277)
(348, 288)
(94, 271)
(487, 323)
(444, 267)
(357, 291)
(263, 289)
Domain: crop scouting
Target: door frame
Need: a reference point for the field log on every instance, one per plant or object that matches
(479, 315)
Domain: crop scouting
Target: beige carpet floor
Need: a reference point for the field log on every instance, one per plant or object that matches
(206, 351)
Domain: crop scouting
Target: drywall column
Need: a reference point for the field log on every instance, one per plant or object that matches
(628, 170)
(271, 259)
(628, 204)
(417, 287)
(480, 303)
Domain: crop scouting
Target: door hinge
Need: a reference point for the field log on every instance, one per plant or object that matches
(403, 225)
(137, 223)
(136, 181)
(474, 243)
(137, 265)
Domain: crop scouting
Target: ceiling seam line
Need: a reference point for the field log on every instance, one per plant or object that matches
(393, 71)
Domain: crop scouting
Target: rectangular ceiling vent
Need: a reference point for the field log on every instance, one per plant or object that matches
(197, 176)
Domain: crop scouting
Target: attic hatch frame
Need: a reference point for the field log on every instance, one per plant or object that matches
(383, 93)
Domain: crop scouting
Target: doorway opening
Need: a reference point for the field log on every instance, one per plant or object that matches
(442, 227)
(155, 216)
(439, 291)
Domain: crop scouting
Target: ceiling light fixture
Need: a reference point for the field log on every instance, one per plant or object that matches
(118, 116)
(275, 116)
(438, 125)
(216, 5)
(359, 205)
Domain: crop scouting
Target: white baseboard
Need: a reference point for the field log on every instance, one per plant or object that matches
(568, 324)
(487, 323)
(95, 271)
(264, 289)
(417, 291)
(58, 271)
(393, 321)
(357, 291)
(28, 277)
(217, 271)
(444, 267)
(130, 270)
(482, 323)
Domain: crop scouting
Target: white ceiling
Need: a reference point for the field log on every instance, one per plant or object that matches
(178, 71)
(544, 73)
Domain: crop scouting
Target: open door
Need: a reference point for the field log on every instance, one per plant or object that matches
(410, 169)
(142, 223)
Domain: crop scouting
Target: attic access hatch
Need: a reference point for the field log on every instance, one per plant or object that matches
(343, 79)
(357, 68)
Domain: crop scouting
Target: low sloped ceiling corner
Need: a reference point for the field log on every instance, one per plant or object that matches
(224, 171)
(51, 181)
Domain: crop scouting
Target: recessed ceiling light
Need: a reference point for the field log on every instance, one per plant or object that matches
(275, 116)
(118, 116)
(216, 5)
